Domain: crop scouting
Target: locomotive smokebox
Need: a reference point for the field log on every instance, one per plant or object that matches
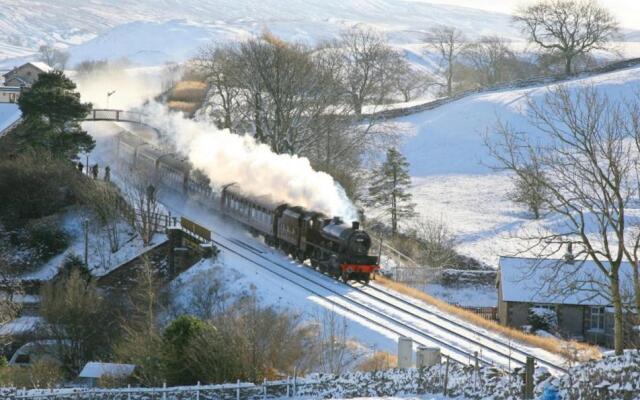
(355, 225)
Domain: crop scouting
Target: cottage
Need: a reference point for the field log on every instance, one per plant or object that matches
(575, 290)
(94, 371)
(26, 74)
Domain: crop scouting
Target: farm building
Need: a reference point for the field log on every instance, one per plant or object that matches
(574, 292)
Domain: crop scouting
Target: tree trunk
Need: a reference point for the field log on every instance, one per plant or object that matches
(450, 81)
(567, 65)
(618, 314)
(636, 286)
(358, 107)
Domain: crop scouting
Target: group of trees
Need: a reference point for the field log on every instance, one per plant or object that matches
(223, 338)
(565, 31)
(305, 100)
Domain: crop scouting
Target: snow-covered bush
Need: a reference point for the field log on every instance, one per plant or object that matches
(544, 319)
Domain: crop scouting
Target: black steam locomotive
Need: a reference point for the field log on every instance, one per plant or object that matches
(332, 246)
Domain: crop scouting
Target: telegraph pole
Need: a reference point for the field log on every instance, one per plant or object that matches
(85, 225)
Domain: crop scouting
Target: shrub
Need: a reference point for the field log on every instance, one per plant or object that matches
(47, 239)
(34, 186)
(541, 318)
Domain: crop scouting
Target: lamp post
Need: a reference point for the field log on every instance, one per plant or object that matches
(109, 94)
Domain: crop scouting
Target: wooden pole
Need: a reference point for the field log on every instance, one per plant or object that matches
(528, 378)
(445, 389)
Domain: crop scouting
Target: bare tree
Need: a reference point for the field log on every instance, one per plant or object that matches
(529, 180)
(332, 343)
(408, 81)
(366, 62)
(569, 27)
(78, 319)
(218, 64)
(588, 163)
(493, 59)
(55, 58)
(449, 43)
(436, 243)
(141, 192)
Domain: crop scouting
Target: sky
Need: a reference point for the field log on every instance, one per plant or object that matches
(627, 11)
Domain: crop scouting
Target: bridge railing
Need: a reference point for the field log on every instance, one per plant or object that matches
(103, 114)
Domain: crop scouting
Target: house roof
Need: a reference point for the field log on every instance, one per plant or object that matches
(39, 65)
(556, 281)
(95, 369)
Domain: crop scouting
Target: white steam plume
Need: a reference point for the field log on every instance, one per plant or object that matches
(225, 158)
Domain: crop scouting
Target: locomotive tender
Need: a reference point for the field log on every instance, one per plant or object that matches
(332, 246)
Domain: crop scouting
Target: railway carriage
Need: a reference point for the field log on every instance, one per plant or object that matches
(261, 214)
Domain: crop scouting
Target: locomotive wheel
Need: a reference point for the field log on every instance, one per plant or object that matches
(345, 276)
(366, 278)
(300, 256)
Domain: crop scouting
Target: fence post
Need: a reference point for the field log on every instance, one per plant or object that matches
(198, 391)
(288, 386)
(295, 378)
(445, 388)
(264, 389)
(528, 378)
(129, 392)
(164, 390)
(238, 391)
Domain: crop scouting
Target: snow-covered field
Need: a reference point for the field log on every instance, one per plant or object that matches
(450, 164)
(150, 31)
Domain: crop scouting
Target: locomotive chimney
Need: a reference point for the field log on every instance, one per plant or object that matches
(337, 220)
(355, 225)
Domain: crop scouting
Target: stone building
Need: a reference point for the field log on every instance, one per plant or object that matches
(26, 74)
(575, 290)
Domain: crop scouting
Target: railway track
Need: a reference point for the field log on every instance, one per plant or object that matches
(462, 343)
(493, 353)
(449, 325)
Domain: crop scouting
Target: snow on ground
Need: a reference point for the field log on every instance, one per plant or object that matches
(66, 23)
(101, 260)
(9, 113)
(451, 170)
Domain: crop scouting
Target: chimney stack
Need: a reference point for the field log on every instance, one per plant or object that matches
(355, 225)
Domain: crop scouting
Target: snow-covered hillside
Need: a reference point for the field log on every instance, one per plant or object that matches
(450, 164)
(158, 35)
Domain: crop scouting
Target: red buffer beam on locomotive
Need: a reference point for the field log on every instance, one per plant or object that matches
(333, 247)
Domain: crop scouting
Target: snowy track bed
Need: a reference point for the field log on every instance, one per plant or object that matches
(423, 326)
(470, 334)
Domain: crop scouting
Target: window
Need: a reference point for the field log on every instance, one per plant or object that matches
(596, 318)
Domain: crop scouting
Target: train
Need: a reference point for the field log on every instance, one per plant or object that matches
(332, 246)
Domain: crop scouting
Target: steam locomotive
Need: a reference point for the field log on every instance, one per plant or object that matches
(331, 245)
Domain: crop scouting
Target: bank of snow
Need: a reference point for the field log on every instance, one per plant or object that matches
(450, 164)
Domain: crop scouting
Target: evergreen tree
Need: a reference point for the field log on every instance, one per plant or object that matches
(389, 186)
(51, 110)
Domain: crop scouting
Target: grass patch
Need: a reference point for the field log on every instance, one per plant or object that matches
(186, 107)
(188, 91)
(572, 350)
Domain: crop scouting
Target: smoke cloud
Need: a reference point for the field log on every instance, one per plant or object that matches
(227, 158)
(223, 156)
